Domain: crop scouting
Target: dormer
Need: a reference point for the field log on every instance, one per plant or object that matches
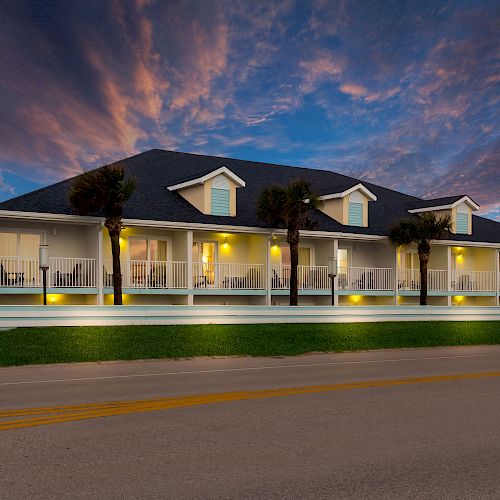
(460, 209)
(349, 207)
(213, 193)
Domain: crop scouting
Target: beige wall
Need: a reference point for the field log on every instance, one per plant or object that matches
(195, 195)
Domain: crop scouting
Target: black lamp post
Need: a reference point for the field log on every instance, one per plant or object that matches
(43, 260)
(332, 272)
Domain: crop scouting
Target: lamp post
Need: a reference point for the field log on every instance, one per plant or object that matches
(43, 260)
(332, 272)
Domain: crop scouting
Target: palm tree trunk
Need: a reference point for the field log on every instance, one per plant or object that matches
(423, 255)
(293, 241)
(114, 228)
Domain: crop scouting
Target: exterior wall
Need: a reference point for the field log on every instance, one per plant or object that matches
(475, 259)
(334, 208)
(369, 254)
(64, 240)
(239, 249)
(195, 195)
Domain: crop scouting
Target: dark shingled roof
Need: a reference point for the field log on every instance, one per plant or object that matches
(435, 202)
(155, 170)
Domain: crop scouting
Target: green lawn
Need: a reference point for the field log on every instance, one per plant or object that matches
(64, 344)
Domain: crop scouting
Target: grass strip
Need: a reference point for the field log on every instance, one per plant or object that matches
(24, 346)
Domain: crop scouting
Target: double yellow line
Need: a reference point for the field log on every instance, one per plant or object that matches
(33, 417)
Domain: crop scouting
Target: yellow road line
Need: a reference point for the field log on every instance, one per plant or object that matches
(71, 413)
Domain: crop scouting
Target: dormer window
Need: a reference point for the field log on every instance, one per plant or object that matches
(220, 196)
(355, 208)
(213, 193)
(459, 208)
(349, 207)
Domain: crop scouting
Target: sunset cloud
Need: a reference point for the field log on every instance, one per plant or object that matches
(403, 94)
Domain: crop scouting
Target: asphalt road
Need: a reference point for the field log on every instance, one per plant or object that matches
(386, 424)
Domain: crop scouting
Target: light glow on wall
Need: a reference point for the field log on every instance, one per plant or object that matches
(54, 298)
(355, 299)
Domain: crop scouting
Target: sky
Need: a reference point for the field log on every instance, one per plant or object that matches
(405, 94)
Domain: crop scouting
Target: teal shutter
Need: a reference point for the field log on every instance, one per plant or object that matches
(462, 225)
(355, 214)
(220, 202)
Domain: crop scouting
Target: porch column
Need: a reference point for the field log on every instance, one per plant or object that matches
(396, 276)
(189, 263)
(268, 271)
(336, 279)
(448, 276)
(100, 266)
(497, 277)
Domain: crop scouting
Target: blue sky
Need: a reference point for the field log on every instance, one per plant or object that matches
(404, 94)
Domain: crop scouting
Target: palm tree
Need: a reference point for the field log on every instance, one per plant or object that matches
(289, 207)
(105, 191)
(421, 230)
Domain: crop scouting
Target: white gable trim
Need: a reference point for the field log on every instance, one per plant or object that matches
(200, 180)
(464, 199)
(358, 187)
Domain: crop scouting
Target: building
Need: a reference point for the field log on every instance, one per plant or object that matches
(192, 237)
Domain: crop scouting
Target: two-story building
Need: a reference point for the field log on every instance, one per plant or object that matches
(192, 236)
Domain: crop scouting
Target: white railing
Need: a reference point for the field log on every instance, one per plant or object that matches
(72, 272)
(148, 274)
(229, 276)
(308, 277)
(409, 279)
(19, 272)
(472, 281)
(365, 278)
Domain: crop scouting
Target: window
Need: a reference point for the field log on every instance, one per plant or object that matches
(304, 256)
(140, 248)
(221, 196)
(19, 244)
(462, 222)
(355, 217)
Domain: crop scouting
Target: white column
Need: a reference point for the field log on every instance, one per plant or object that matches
(448, 276)
(497, 277)
(100, 266)
(396, 277)
(189, 264)
(336, 279)
(268, 272)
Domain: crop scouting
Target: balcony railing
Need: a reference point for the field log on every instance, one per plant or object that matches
(365, 278)
(308, 277)
(19, 272)
(229, 276)
(409, 279)
(148, 274)
(72, 272)
(472, 281)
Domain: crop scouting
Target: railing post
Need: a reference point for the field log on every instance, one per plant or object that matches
(448, 276)
(268, 271)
